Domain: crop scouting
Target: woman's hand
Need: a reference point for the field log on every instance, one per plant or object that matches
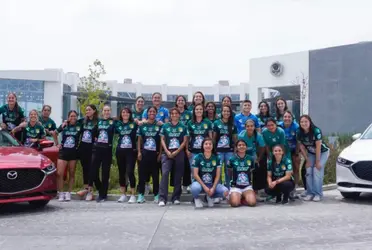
(59, 146)
(272, 184)
(159, 157)
(33, 140)
(211, 191)
(169, 154)
(139, 156)
(317, 165)
(188, 154)
(3, 126)
(308, 163)
(159, 123)
(206, 190)
(23, 125)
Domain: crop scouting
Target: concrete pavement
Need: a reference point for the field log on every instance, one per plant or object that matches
(331, 224)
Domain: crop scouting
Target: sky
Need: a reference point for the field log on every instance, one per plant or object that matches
(175, 42)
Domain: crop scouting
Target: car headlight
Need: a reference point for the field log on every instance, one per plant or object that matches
(50, 169)
(344, 162)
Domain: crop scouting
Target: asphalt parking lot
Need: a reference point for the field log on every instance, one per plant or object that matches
(334, 223)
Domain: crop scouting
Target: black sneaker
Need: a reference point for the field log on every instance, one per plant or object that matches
(278, 199)
(285, 202)
(100, 199)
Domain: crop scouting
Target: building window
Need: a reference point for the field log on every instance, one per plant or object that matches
(30, 93)
(222, 96)
(171, 98)
(147, 96)
(66, 101)
(247, 96)
(235, 97)
(209, 98)
(130, 95)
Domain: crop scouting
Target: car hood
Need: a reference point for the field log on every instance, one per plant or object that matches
(21, 157)
(360, 150)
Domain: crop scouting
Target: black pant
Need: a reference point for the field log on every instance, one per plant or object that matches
(101, 157)
(149, 167)
(85, 155)
(282, 188)
(303, 174)
(177, 164)
(186, 180)
(259, 176)
(126, 159)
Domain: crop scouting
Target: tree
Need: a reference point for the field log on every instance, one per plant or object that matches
(93, 89)
(303, 82)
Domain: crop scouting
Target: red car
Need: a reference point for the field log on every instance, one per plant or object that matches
(27, 174)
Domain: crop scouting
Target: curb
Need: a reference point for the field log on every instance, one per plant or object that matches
(188, 197)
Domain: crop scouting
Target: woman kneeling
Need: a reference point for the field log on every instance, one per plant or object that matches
(206, 172)
(240, 166)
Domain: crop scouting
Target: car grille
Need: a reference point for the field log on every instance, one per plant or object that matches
(26, 179)
(363, 170)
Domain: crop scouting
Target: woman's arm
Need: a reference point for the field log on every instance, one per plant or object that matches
(182, 146)
(318, 147)
(197, 178)
(269, 179)
(139, 142)
(164, 146)
(287, 177)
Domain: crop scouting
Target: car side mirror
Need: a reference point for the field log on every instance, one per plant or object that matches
(46, 144)
(356, 136)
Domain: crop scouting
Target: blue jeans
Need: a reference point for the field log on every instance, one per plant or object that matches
(190, 161)
(314, 176)
(197, 189)
(225, 157)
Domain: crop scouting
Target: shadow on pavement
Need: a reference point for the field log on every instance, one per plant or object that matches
(23, 209)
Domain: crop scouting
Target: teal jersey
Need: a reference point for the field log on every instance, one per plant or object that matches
(48, 124)
(70, 136)
(150, 134)
(207, 167)
(88, 129)
(254, 141)
(186, 116)
(173, 135)
(276, 138)
(241, 169)
(12, 118)
(190, 108)
(197, 132)
(105, 132)
(279, 170)
(262, 120)
(310, 141)
(33, 132)
(127, 135)
(137, 115)
(224, 139)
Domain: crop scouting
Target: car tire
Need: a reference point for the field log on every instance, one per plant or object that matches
(350, 195)
(38, 204)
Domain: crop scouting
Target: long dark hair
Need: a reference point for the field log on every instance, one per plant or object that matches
(193, 112)
(95, 114)
(135, 104)
(214, 112)
(311, 129)
(270, 120)
(213, 147)
(184, 98)
(277, 112)
(68, 116)
(130, 114)
(152, 107)
(174, 109)
(273, 159)
(230, 121)
(198, 92)
(260, 114)
(16, 106)
(254, 130)
(289, 112)
(228, 97)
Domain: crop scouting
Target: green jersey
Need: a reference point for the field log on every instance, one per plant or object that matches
(150, 134)
(310, 141)
(70, 136)
(88, 129)
(186, 116)
(197, 132)
(127, 135)
(33, 132)
(276, 138)
(224, 137)
(207, 167)
(254, 141)
(279, 170)
(173, 135)
(241, 170)
(105, 132)
(137, 115)
(12, 118)
(48, 124)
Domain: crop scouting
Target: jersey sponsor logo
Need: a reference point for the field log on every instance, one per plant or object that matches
(248, 162)
(283, 167)
(214, 163)
(131, 125)
(180, 129)
(205, 126)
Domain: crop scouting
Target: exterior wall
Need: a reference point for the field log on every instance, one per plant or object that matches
(340, 88)
(294, 65)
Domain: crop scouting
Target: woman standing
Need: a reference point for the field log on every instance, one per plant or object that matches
(264, 114)
(102, 153)
(211, 111)
(290, 127)
(316, 154)
(68, 154)
(138, 110)
(240, 167)
(126, 155)
(173, 137)
(207, 171)
(31, 132)
(273, 136)
(13, 115)
(226, 101)
(162, 115)
(225, 136)
(48, 123)
(280, 107)
(149, 153)
(181, 105)
(279, 175)
(198, 98)
(88, 130)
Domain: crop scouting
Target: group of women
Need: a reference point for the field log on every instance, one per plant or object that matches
(222, 155)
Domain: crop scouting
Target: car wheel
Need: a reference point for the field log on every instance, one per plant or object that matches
(39, 204)
(350, 195)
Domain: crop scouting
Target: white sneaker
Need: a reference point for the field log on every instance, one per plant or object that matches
(147, 189)
(189, 189)
(317, 198)
(67, 196)
(198, 203)
(89, 196)
(61, 196)
(211, 201)
(308, 198)
(303, 194)
(162, 204)
(216, 200)
(123, 198)
(132, 199)
(176, 202)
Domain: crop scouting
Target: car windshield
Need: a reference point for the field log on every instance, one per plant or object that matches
(368, 133)
(6, 140)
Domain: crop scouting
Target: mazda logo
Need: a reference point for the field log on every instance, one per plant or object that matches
(12, 175)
